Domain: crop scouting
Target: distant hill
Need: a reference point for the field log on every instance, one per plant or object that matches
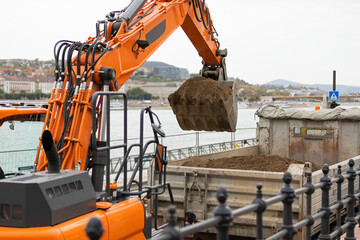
(341, 88)
(152, 64)
(166, 70)
(324, 87)
(281, 82)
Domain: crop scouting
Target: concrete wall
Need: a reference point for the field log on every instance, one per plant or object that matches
(316, 141)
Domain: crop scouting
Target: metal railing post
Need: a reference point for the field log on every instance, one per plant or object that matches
(224, 212)
(338, 200)
(197, 143)
(233, 139)
(289, 191)
(309, 203)
(325, 219)
(359, 190)
(350, 217)
(171, 232)
(259, 218)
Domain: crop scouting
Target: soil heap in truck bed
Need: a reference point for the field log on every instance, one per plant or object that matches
(272, 163)
(204, 104)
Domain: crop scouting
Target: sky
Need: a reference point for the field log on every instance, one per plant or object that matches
(296, 40)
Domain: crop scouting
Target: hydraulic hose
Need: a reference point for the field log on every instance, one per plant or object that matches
(83, 46)
(93, 61)
(63, 48)
(70, 91)
(63, 62)
(73, 47)
(91, 47)
(196, 4)
(56, 56)
(85, 73)
(105, 30)
(97, 29)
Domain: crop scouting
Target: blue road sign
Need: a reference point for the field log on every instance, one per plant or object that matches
(333, 96)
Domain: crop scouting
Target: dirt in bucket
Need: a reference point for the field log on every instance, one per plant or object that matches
(272, 163)
(199, 91)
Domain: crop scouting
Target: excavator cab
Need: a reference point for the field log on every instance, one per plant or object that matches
(20, 128)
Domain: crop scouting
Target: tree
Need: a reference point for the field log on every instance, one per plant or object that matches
(137, 93)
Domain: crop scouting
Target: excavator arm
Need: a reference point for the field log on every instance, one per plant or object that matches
(123, 42)
(138, 34)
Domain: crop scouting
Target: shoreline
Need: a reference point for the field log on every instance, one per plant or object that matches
(134, 104)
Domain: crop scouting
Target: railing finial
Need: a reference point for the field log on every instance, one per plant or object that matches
(287, 178)
(222, 195)
(224, 212)
(172, 216)
(351, 163)
(171, 232)
(325, 169)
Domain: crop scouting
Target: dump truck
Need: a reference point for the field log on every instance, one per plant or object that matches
(312, 138)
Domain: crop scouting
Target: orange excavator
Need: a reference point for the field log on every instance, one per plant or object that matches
(57, 201)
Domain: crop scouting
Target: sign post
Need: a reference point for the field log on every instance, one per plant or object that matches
(334, 95)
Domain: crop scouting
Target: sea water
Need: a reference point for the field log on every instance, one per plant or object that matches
(19, 140)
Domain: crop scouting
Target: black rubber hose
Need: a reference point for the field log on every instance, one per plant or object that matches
(68, 62)
(82, 47)
(63, 62)
(196, 4)
(57, 55)
(85, 74)
(203, 10)
(73, 48)
(93, 62)
(69, 94)
(105, 30)
(97, 29)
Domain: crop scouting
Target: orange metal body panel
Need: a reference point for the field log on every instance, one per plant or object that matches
(124, 220)
(48, 233)
(6, 112)
(202, 40)
(128, 225)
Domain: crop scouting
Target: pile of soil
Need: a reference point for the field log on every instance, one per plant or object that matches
(272, 163)
(199, 91)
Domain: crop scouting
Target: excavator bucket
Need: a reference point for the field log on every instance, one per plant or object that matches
(205, 104)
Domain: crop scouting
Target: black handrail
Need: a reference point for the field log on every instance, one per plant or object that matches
(287, 196)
